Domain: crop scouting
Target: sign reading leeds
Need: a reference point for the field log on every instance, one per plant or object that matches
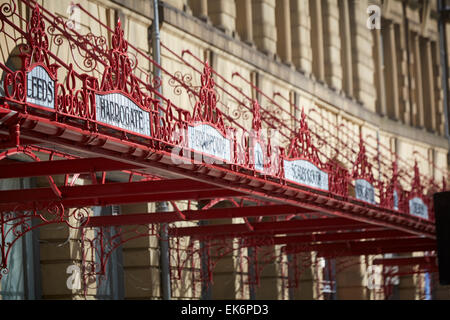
(364, 191)
(40, 88)
(305, 172)
(206, 139)
(119, 111)
(418, 208)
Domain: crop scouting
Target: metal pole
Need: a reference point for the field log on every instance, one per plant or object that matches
(161, 206)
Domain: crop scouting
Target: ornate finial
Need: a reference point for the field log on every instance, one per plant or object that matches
(206, 109)
(362, 168)
(36, 37)
(256, 116)
(301, 144)
(119, 70)
(207, 80)
(303, 124)
(416, 187)
(118, 41)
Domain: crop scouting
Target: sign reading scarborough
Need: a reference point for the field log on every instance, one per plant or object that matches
(206, 139)
(119, 111)
(40, 88)
(364, 191)
(304, 172)
(418, 208)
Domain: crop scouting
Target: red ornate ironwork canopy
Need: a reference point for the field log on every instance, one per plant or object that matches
(102, 112)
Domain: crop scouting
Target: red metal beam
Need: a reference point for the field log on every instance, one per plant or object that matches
(269, 228)
(105, 190)
(343, 236)
(117, 200)
(352, 248)
(48, 168)
(405, 261)
(193, 215)
(253, 186)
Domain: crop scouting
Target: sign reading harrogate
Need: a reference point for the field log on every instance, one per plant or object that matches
(364, 191)
(40, 88)
(418, 208)
(304, 172)
(206, 139)
(117, 110)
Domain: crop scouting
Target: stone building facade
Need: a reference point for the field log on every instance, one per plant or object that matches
(384, 83)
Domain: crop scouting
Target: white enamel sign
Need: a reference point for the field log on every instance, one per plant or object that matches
(364, 191)
(306, 173)
(418, 208)
(395, 200)
(206, 139)
(258, 156)
(117, 110)
(40, 88)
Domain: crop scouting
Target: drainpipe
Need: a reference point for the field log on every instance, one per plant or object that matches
(161, 206)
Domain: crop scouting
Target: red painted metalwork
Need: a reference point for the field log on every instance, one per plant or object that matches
(407, 261)
(303, 219)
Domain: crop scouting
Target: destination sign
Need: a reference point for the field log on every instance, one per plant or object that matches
(117, 110)
(206, 139)
(418, 208)
(40, 88)
(304, 172)
(364, 191)
(258, 157)
(395, 200)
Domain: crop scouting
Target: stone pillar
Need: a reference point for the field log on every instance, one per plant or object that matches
(438, 91)
(318, 66)
(346, 45)
(269, 286)
(264, 30)
(332, 44)
(141, 260)
(379, 73)
(403, 81)
(244, 20)
(223, 14)
(305, 289)
(428, 85)
(419, 115)
(199, 8)
(350, 281)
(225, 279)
(363, 64)
(390, 63)
(179, 4)
(283, 25)
(301, 35)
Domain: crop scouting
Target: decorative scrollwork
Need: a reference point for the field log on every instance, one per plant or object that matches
(37, 38)
(301, 146)
(206, 110)
(78, 218)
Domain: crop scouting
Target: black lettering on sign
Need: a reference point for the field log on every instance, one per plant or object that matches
(305, 172)
(418, 208)
(206, 139)
(364, 191)
(40, 88)
(117, 110)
